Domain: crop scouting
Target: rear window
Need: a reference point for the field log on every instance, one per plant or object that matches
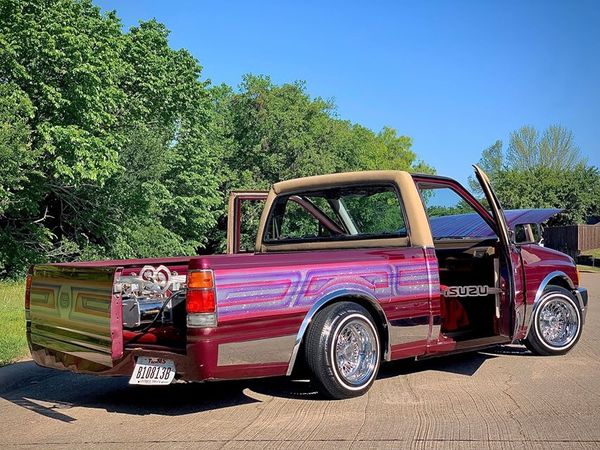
(346, 213)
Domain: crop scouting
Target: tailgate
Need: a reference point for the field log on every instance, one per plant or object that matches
(74, 319)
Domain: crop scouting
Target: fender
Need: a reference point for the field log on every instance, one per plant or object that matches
(530, 311)
(332, 298)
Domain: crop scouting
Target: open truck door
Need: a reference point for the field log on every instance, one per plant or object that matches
(237, 202)
(511, 258)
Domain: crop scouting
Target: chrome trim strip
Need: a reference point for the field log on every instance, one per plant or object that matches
(406, 334)
(530, 310)
(257, 351)
(329, 299)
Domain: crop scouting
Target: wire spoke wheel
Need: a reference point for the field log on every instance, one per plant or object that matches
(343, 350)
(558, 322)
(355, 352)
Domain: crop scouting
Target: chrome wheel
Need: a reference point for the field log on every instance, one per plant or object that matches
(558, 322)
(342, 350)
(356, 352)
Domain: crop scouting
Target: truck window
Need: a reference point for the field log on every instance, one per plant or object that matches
(450, 216)
(344, 213)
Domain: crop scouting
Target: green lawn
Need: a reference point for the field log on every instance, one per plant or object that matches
(595, 253)
(584, 268)
(13, 344)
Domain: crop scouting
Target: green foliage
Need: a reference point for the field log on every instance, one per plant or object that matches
(441, 211)
(577, 191)
(109, 137)
(377, 213)
(554, 149)
(543, 171)
(16, 157)
(279, 132)
(111, 144)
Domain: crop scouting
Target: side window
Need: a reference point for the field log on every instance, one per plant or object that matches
(450, 215)
(336, 214)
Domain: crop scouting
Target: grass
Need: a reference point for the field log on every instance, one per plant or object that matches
(585, 268)
(13, 344)
(595, 253)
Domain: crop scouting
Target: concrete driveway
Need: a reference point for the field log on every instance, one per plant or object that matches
(505, 398)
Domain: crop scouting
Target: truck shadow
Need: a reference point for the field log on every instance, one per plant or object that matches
(52, 393)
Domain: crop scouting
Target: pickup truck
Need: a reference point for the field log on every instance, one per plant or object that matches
(345, 273)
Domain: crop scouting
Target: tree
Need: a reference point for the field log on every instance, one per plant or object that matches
(61, 58)
(543, 171)
(118, 132)
(112, 145)
(16, 157)
(279, 132)
(555, 149)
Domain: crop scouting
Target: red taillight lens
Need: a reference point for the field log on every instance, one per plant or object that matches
(28, 291)
(200, 301)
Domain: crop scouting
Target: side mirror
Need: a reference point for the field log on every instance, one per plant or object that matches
(512, 236)
(528, 233)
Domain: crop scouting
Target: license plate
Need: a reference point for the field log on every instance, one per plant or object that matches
(153, 371)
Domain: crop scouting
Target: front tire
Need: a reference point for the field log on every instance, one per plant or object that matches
(343, 350)
(556, 326)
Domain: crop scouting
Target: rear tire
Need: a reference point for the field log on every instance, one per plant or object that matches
(343, 350)
(556, 325)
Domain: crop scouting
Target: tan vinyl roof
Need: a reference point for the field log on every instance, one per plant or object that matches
(322, 181)
(420, 234)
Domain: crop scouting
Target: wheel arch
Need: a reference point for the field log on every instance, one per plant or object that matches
(556, 278)
(364, 299)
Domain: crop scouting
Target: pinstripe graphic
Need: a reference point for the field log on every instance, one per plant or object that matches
(245, 293)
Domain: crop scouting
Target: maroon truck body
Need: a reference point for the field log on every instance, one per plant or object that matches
(265, 301)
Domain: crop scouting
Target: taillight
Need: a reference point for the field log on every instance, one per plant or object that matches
(201, 279)
(28, 289)
(200, 301)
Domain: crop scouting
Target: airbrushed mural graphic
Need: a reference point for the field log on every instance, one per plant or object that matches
(251, 292)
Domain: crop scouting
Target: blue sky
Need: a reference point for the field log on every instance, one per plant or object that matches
(453, 75)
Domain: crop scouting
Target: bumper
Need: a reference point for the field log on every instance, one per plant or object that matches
(75, 363)
(208, 355)
(582, 299)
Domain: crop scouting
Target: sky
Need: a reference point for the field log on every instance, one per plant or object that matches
(455, 76)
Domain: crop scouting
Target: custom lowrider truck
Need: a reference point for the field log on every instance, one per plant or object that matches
(345, 273)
